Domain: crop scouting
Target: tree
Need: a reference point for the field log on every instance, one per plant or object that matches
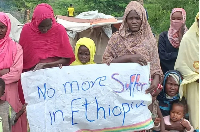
(159, 12)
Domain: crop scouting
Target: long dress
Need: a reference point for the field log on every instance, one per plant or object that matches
(43, 47)
(11, 89)
(188, 64)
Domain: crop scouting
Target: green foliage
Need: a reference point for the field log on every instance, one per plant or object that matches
(158, 10)
(111, 7)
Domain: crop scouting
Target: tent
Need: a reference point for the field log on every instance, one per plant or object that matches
(97, 26)
(16, 28)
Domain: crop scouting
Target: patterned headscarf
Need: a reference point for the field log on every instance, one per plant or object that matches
(141, 2)
(144, 33)
(164, 100)
(175, 27)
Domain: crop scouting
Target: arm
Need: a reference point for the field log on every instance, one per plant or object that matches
(62, 61)
(121, 59)
(110, 56)
(163, 54)
(4, 71)
(162, 123)
(109, 53)
(155, 69)
(188, 127)
(20, 112)
(16, 69)
(67, 11)
(175, 126)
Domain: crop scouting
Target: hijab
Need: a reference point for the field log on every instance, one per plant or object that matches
(38, 46)
(175, 27)
(187, 61)
(144, 33)
(165, 100)
(89, 43)
(8, 47)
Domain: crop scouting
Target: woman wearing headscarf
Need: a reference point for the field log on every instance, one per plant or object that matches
(11, 65)
(45, 42)
(85, 50)
(188, 64)
(169, 41)
(134, 42)
(169, 93)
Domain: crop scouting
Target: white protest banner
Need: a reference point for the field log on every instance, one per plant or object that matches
(88, 98)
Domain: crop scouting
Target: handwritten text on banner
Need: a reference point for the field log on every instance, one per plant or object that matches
(89, 97)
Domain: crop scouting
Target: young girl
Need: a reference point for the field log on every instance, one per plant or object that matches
(85, 50)
(177, 115)
(8, 116)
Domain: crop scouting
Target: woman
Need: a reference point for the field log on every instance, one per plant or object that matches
(188, 64)
(11, 64)
(45, 42)
(170, 93)
(169, 41)
(85, 50)
(134, 42)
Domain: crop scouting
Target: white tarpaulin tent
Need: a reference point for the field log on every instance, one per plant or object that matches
(92, 24)
(16, 28)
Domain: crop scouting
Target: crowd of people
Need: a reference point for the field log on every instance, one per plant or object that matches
(174, 63)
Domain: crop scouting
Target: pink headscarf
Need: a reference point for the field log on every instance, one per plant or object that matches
(8, 47)
(40, 46)
(175, 27)
(41, 12)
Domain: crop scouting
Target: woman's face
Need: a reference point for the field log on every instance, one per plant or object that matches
(45, 25)
(171, 87)
(3, 30)
(83, 54)
(133, 20)
(177, 16)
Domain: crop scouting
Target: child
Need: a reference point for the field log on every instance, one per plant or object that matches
(8, 116)
(177, 113)
(85, 50)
